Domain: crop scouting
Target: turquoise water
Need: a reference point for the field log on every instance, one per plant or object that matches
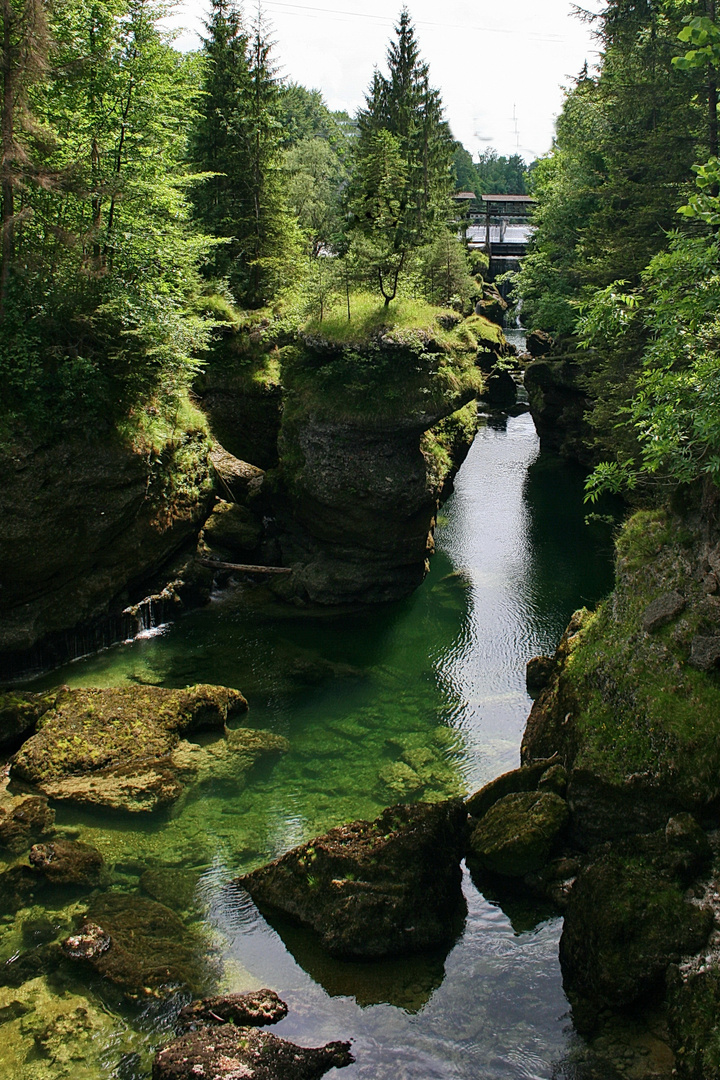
(422, 699)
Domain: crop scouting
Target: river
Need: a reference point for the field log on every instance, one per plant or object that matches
(358, 695)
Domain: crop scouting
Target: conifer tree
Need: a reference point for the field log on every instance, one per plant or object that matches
(402, 162)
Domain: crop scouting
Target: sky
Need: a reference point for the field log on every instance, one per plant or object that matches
(500, 66)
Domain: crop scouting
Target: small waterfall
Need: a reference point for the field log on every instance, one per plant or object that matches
(144, 619)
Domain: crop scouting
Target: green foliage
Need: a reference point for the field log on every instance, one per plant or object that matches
(444, 273)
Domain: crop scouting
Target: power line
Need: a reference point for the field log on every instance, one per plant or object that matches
(307, 11)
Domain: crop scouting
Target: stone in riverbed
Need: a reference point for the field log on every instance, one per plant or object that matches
(23, 819)
(526, 778)
(390, 886)
(67, 862)
(517, 835)
(19, 712)
(229, 1053)
(150, 952)
(539, 671)
(254, 1009)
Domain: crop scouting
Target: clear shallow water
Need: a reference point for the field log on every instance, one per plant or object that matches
(431, 688)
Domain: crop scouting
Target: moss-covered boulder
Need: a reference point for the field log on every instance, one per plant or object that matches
(111, 747)
(517, 835)
(625, 923)
(390, 886)
(526, 778)
(232, 531)
(141, 946)
(229, 1052)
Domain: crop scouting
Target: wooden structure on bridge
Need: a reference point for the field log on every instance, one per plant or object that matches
(499, 225)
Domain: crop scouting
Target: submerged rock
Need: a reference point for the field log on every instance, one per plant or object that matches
(23, 819)
(374, 888)
(67, 862)
(150, 950)
(517, 835)
(254, 1009)
(229, 1053)
(134, 789)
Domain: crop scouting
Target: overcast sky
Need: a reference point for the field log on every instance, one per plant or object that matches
(500, 66)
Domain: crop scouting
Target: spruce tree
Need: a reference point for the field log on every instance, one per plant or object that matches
(402, 163)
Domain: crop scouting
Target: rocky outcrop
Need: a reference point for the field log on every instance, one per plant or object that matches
(518, 834)
(83, 524)
(362, 486)
(229, 1052)
(558, 404)
(370, 889)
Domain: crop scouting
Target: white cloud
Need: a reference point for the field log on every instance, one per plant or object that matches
(499, 65)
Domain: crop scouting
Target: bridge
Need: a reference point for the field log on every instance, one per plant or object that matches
(498, 225)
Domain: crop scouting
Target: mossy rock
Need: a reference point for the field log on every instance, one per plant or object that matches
(233, 528)
(151, 952)
(89, 730)
(625, 924)
(517, 835)
(694, 1022)
(19, 712)
(526, 778)
(24, 819)
(369, 889)
(67, 862)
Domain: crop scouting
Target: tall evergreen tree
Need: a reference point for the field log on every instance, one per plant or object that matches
(238, 138)
(403, 144)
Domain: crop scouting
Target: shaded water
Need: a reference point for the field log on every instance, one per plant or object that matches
(421, 699)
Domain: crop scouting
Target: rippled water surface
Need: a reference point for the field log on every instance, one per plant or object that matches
(358, 696)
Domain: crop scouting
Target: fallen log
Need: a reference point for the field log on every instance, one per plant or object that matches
(246, 569)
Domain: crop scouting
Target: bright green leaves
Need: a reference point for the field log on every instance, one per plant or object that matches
(704, 35)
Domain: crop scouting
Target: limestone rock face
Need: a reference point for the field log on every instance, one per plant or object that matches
(390, 886)
(79, 523)
(229, 1053)
(558, 406)
(365, 503)
(232, 530)
(517, 835)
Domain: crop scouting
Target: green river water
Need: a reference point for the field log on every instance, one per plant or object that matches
(422, 699)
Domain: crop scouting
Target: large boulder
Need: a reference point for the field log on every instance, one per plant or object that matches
(526, 778)
(254, 1009)
(517, 835)
(229, 1053)
(112, 747)
(379, 888)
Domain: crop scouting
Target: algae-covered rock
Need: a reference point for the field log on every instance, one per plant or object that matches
(134, 789)
(227, 758)
(93, 729)
(254, 1009)
(110, 747)
(23, 819)
(173, 886)
(517, 835)
(229, 1053)
(150, 950)
(67, 862)
(377, 888)
(538, 673)
(625, 924)
(526, 778)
